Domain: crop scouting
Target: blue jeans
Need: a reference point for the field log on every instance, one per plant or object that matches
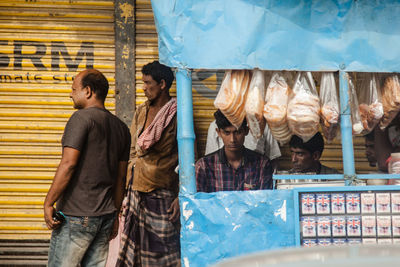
(81, 240)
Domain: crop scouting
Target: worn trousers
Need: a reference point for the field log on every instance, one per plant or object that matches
(81, 240)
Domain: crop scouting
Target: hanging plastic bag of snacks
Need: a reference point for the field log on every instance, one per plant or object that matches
(304, 107)
(329, 106)
(255, 104)
(275, 108)
(370, 102)
(390, 100)
(232, 96)
(355, 113)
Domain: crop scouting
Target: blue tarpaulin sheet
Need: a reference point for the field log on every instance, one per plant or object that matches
(279, 35)
(220, 225)
(271, 35)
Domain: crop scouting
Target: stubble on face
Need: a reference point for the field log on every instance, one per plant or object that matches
(77, 93)
(302, 160)
(152, 90)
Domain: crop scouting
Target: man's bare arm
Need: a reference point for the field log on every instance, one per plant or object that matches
(61, 179)
(119, 192)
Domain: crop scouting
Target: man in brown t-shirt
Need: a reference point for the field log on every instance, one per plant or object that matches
(151, 232)
(89, 183)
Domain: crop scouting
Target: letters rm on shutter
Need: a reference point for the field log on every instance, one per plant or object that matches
(43, 44)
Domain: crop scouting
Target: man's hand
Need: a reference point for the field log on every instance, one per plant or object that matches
(174, 210)
(48, 217)
(61, 179)
(114, 231)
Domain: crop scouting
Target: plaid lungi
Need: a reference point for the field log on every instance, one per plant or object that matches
(149, 238)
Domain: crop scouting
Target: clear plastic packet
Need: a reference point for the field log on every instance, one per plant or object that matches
(255, 104)
(267, 78)
(355, 113)
(390, 92)
(329, 106)
(225, 94)
(304, 107)
(232, 95)
(275, 107)
(370, 102)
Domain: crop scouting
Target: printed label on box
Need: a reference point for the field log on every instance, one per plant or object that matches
(323, 203)
(338, 226)
(382, 202)
(368, 226)
(368, 203)
(395, 202)
(396, 225)
(384, 225)
(308, 226)
(353, 226)
(307, 204)
(352, 203)
(324, 226)
(338, 203)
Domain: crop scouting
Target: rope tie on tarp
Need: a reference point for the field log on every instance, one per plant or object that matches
(353, 179)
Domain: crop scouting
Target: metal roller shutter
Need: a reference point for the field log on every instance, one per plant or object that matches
(205, 88)
(43, 44)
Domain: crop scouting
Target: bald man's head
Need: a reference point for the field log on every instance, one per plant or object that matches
(96, 81)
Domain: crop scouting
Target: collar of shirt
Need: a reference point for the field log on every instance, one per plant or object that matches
(224, 160)
(142, 119)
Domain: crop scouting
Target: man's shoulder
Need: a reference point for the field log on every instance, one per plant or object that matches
(211, 155)
(99, 115)
(118, 120)
(122, 125)
(87, 112)
(80, 115)
(80, 112)
(213, 125)
(142, 106)
(254, 155)
(141, 109)
(328, 170)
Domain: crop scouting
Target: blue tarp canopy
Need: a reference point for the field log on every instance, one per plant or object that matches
(317, 35)
(279, 35)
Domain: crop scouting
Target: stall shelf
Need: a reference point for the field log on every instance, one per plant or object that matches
(332, 36)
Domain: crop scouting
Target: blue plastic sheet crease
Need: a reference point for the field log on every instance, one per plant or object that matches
(220, 225)
(279, 35)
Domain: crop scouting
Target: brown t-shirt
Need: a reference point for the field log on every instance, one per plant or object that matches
(103, 141)
(155, 167)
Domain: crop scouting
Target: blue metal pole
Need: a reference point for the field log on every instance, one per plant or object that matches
(346, 126)
(186, 136)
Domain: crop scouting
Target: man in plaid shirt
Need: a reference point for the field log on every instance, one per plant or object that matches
(233, 167)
